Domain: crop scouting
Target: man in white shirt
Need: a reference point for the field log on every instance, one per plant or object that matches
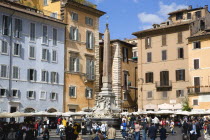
(156, 122)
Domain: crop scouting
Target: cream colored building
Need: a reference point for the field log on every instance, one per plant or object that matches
(199, 67)
(163, 65)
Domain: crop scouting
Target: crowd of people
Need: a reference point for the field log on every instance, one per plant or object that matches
(133, 127)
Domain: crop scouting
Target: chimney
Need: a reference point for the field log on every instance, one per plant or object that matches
(206, 7)
(189, 7)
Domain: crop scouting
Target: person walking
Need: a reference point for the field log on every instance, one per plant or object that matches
(172, 127)
(46, 135)
(124, 126)
(162, 133)
(69, 131)
(137, 131)
(156, 122)
(152, 132)
(111, 133)
(144, 128)
(193, 130)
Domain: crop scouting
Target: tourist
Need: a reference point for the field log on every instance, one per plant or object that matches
(152, 132)
(89, 126)
(172, 127)
(133, 118)
(46, 135)
(29, 133)
(83, 126)
(144, 128)
(36, 127)
(103, 129)
(111, 133)
(77, 129)
(193, 130)
(124, 119)
(124, 126)
(162, 133)
(95, 126)
(185, 128)
(69, 131)
(64, 122)
(19, 134)
(137, 131)
(99, 136)
(58, 123)
(156, 122)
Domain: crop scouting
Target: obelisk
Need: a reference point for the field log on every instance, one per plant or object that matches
(106, 105)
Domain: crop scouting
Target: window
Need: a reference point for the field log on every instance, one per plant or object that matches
(15, 72)
(32, 52)
(195, 101)
(54, 36)
(149, 77)
(125, 96)
(189, 16)
(197, 45)
(54, 77)
(125, 85)
(89, 21)
(54, 15)
(165, 94)
(198, 14)
(135, 54)
(53, 96)
(45, 53)
(72, 91)
(44, 35)
(74, 64)
(179, 93)
(74, 33)
(164, 40)
(149, 57)
(197, 84)
(90, 69)
(3, 92)
(180, 53)
(4, 71)
(15, 93)
(31, 94)
(179, 16)
(6, 25)
(42, 95)
(149, 94)
(31, 74)
(180, 75)
(4, 47)
(54, 56)
(32, 31)
(18, 28)
(125, 54)
(89, 40)
(164, 55)
(196, 64)
(17, 49)
(44, 76)
(89, 93)
(45, 2)
(147, 42)
(74, 16)
(179, 34)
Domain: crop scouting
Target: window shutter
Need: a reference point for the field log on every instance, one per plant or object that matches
(71, 33)
(86, 92)
(78, 64)
(146, 43)
(163, 40)
(151, 77)
(70, 91)
(35, 75)
(57, 77)
(86, 20)
(20, 48)
(147, 77)
(48, 55)
(87, 69)
(91, 93)
(34, 94)
(123, 54)
(179, 37)
(47, 77)
(28, 74)
(42, 75)
(77, 34)
(177, 75)
(71, 64)
(51, 77)
(92, 45)
(20, 27)
(127, 55)
(183, 74)
(92, 71)
(87, 40)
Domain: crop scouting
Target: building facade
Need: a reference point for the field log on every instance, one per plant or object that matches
(163, 66)
(31, 60)
(124, 74)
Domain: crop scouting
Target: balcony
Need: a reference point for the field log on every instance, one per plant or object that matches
(164, 85)
(198, 89)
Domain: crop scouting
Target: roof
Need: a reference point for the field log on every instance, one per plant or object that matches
(27, 10)
(160, 28)
(184, 10)
(200, 34)
(87, 8)
(121, 41)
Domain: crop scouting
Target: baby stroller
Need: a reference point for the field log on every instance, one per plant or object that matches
(130, 134)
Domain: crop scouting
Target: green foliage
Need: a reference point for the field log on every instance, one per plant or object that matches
(185, 105)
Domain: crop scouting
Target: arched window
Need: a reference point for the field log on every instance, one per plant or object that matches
(29, 110)
(51, 110)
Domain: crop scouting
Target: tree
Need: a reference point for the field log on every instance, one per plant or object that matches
(185, 105)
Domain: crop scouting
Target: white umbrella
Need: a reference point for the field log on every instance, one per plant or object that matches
(43, 113)
(150, 112)
(164, 112)
(5, 115)
(182, 113)
(19, 114)
(67, 114)
(125, 113)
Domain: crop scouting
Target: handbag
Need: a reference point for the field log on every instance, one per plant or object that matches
(121, 127)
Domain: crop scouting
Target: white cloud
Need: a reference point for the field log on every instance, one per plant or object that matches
(98, 1)
(147, 19)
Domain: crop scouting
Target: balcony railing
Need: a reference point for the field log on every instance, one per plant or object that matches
(164, 85)
(198, 89)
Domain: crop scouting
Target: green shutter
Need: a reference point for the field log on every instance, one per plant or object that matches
(92, 45)
(78, 64)
(77, 34)
(71, 33)
(86, 92)
(71, 68)
(92, 70)
(87, 69)
(87, 40)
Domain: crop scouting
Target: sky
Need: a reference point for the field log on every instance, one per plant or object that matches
(128, 16)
